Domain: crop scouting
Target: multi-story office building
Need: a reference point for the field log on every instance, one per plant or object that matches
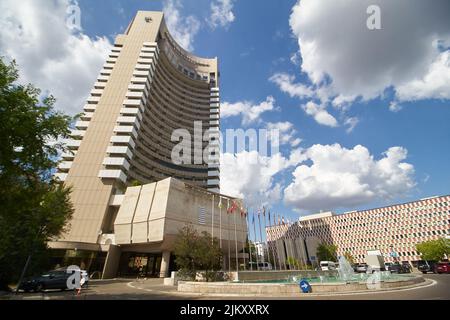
(148, 88)
(393, 230)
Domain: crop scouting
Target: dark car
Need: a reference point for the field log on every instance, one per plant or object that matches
(426, 266)
(396, 268)
(442, 267)
(406, 267)
(56, 279)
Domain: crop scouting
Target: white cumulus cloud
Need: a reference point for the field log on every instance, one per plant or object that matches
(336, 177)
(183, 29)
(320, 114)
(54, 58)
(407, 54)
(251, 176)
(249, 111)
(287, 84)
(221, 13)
(286, 132)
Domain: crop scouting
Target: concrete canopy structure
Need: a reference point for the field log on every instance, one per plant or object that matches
(148, 88)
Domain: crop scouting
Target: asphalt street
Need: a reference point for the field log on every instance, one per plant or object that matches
(437, 288)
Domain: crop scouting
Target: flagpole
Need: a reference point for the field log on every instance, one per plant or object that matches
(212, 220)
(249, 246)
(235, 243)
(254, 234)
(260, 236)
(220, 221)
(282, 241)
(286, 243)
(275, 241)
(267, 240)
(229, 244)
(245, 241)
(289, 244)
(293, 246)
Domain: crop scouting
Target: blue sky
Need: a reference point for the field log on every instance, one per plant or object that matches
(398, 66)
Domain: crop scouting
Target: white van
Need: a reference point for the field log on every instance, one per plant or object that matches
(327, 265)
(264, 266)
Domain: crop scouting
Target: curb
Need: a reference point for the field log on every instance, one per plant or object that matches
(424, 284)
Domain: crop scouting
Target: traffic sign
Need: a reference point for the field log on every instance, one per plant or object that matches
(305, 286)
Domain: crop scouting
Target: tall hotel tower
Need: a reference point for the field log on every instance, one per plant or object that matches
(148, 87)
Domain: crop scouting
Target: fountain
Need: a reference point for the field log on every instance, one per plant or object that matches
(346, 272)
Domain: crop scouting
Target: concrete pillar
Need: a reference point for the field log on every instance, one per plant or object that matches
(111, 262)
(164, 271)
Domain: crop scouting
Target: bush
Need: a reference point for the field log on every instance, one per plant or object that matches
(197, 253)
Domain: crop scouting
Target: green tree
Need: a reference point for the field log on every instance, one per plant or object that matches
(327, 252)
(34, 207)
(349, 257)
(434, 249)
(293, 263)
(196, 252)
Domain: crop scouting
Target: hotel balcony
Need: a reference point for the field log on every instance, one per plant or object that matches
(93, 99)
(103, 78)
(81, 124)
(113, 174)
(134, 94)
(126, 129)
(120, 151)
(86, 116)
(77, 134)
(65, 166)
(96, 92)
(69, 155)
(123, 140)
(120, 162)
(73, 144)
(89, 107)
(61, 176)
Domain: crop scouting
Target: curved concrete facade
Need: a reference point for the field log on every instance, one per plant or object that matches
(148, 88)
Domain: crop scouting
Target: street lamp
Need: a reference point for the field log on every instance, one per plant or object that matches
(33, 247)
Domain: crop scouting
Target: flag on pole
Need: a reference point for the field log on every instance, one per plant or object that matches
(220, 203)
(264, 211)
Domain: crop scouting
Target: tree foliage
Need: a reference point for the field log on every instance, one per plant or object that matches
(293, 263)
(434, 249)
(349, 257)
(196, 252)
(327, 252)
(34, 207)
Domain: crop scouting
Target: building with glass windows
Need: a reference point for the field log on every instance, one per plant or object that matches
(148, 89)
(393, 230)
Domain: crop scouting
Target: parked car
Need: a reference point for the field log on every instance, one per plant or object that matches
(259, 266)
(396, 268)
(55, 279)
(406, 267)
(426, 266)
(387, 266)
(443, 267)
(327, 265)
(361, 268)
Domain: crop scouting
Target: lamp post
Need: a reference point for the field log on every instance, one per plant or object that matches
(27, 263)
